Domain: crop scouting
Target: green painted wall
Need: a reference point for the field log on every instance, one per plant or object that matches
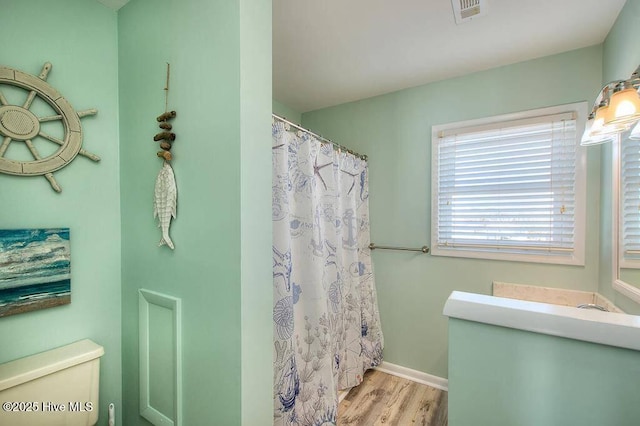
(395, 131)
(621, 53)
(506, 377)
(209, 45)
(79, 38)
(621, 56)
(255, 211)
(286, 112)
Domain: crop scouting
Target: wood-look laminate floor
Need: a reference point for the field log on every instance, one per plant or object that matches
(383, 399)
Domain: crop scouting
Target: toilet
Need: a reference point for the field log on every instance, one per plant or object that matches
(58, 387)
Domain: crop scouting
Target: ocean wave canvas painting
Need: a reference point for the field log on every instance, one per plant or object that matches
(35, 269)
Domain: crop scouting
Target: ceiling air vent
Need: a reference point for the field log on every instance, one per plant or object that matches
(466, 10)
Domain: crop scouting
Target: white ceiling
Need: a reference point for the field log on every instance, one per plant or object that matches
(328, 52)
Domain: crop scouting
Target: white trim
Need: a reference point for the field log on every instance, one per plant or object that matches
(618, 211)
(579, 107)
(605, 328)
(615, 211)
(618, 285)
(574, 259)
(153, 415)
(578, 256)
(627, 290)
(414, 375)
(496, 122)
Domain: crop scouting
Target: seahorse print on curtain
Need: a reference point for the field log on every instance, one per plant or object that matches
(326, 322)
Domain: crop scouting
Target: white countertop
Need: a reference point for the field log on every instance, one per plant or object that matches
(607, 328)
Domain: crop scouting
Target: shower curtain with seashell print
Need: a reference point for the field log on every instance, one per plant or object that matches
(326, 322)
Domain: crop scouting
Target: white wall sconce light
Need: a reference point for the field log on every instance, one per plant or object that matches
(616, 110)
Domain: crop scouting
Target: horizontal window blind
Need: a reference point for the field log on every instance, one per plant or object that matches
(508, 187)
(630, 199)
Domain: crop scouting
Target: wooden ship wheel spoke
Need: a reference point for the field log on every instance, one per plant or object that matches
(18, 124)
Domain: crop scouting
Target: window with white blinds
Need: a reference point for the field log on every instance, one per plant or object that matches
(630, 200)
(510, 187)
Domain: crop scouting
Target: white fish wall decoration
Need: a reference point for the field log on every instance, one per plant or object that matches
(164, 203)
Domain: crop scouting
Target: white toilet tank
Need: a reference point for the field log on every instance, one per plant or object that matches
(53, 388)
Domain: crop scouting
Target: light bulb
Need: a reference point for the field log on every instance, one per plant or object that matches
(600, 126)
(624, 106)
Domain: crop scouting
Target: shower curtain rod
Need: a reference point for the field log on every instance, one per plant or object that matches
(423, 249)
(335, 144)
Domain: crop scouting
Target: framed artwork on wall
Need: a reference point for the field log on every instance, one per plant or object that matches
(35, 269)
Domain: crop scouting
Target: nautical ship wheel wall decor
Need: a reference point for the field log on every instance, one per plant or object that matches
(19, 125)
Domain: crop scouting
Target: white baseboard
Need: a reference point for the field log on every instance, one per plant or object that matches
(414, 375)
